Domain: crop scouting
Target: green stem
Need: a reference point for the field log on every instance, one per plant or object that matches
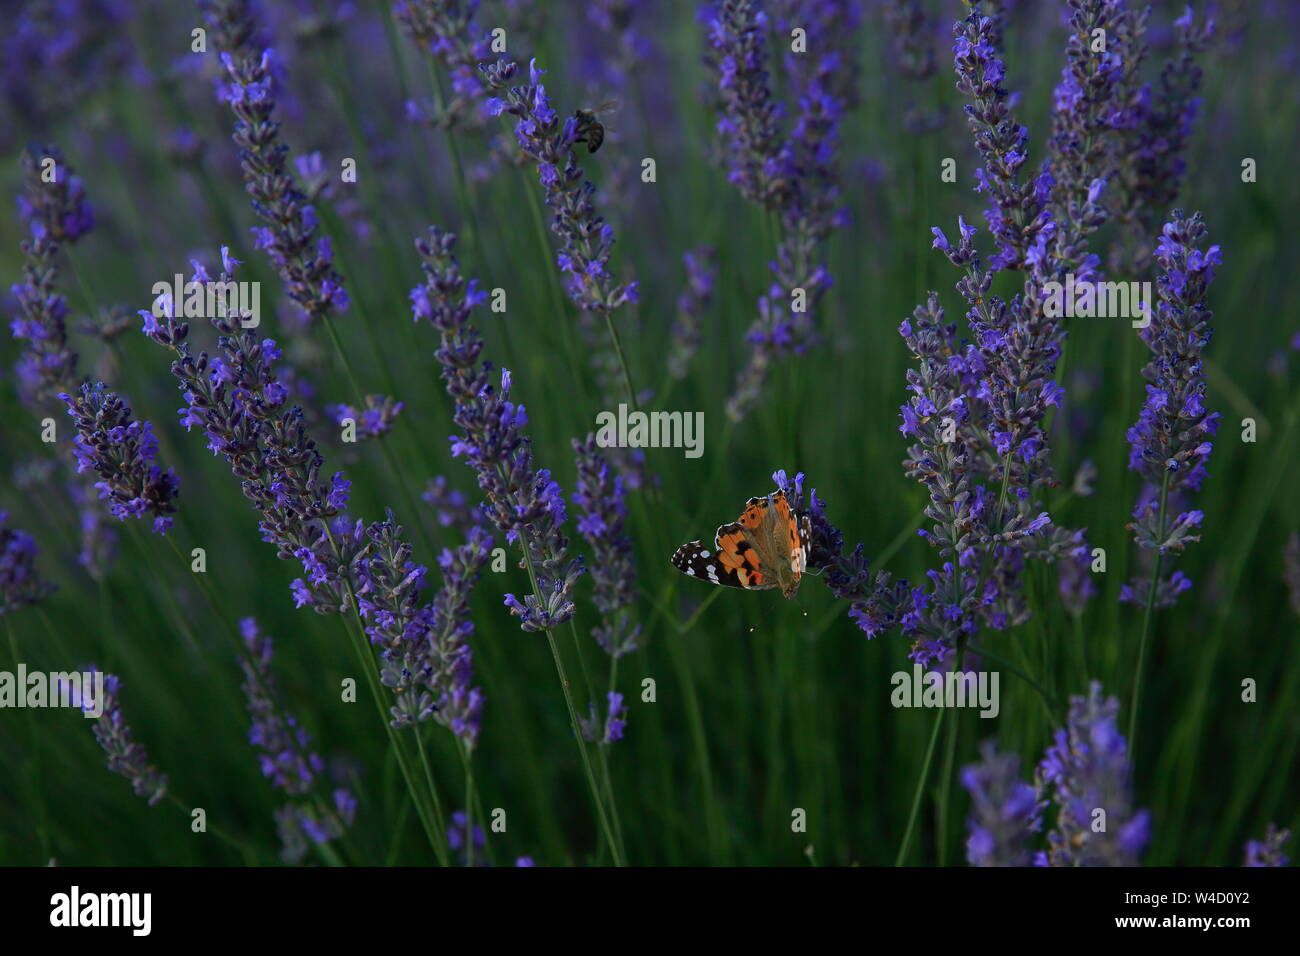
(469, 805)
(699, 741)
(1146, 622)
(920, 787)
(945, 791)
(582, 751)
(552, 282)
(622, 359)
(434, 828)
(605, 827)
(603, 753)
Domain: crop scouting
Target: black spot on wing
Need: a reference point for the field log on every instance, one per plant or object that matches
(695, 560)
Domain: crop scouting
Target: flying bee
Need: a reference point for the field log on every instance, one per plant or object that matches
(591, 130)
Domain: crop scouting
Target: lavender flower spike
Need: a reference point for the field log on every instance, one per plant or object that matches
(122, 453)
(303, 261)
(126, 756)
(54, 211)
(448, 31)
(600, 495)
(1268, 851)
(1088, 772)
(239, 401)
(1156, 124)
(284, 758)
(457, 838)
(1017, 211)
(54, 206)
(233, 24)
(426, 659)
(695, 298)
(1169, 444)
(1085, 147)
(748, 124)
(550, 141)
(452, 507)
(609, 731)
(796, 176)
(908, 27)
(523, 502)
(20, 584)
(1005, 810)
(374, 420)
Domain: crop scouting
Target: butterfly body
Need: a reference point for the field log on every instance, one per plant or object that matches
(766, 547)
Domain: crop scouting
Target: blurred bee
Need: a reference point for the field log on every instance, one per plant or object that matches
(590, 130)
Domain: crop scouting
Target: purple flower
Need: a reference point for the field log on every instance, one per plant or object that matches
(551, 141)
(319, 822)
(458, 838)
(695, 298)
(1086, 148)
(613, 726)
(237, 398)
(1017, 210)
(909, 29)
(794, 176)
(1268, 851)
(452, 507)
(304, 262)
(748, 122)
(375, 419)
(54, 212)
(1087, 773)
(1168, 444)
(125, 755)
(978, 407)
(960, 393)
(1074, 571)
(122, 452)
(1005, 811)
(615, 723)
(447, 31)
(1155, 123)
(284, 755)
(20, 583)
(98, 537)
(600, 495)
(56, 57)
(54, 206)
(425, 657)
(524, 503)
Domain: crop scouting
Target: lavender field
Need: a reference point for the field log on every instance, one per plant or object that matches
(385, 382)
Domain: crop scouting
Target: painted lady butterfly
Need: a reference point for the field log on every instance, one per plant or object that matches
(766, 547)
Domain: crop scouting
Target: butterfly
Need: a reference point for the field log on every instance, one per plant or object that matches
(766, 547)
